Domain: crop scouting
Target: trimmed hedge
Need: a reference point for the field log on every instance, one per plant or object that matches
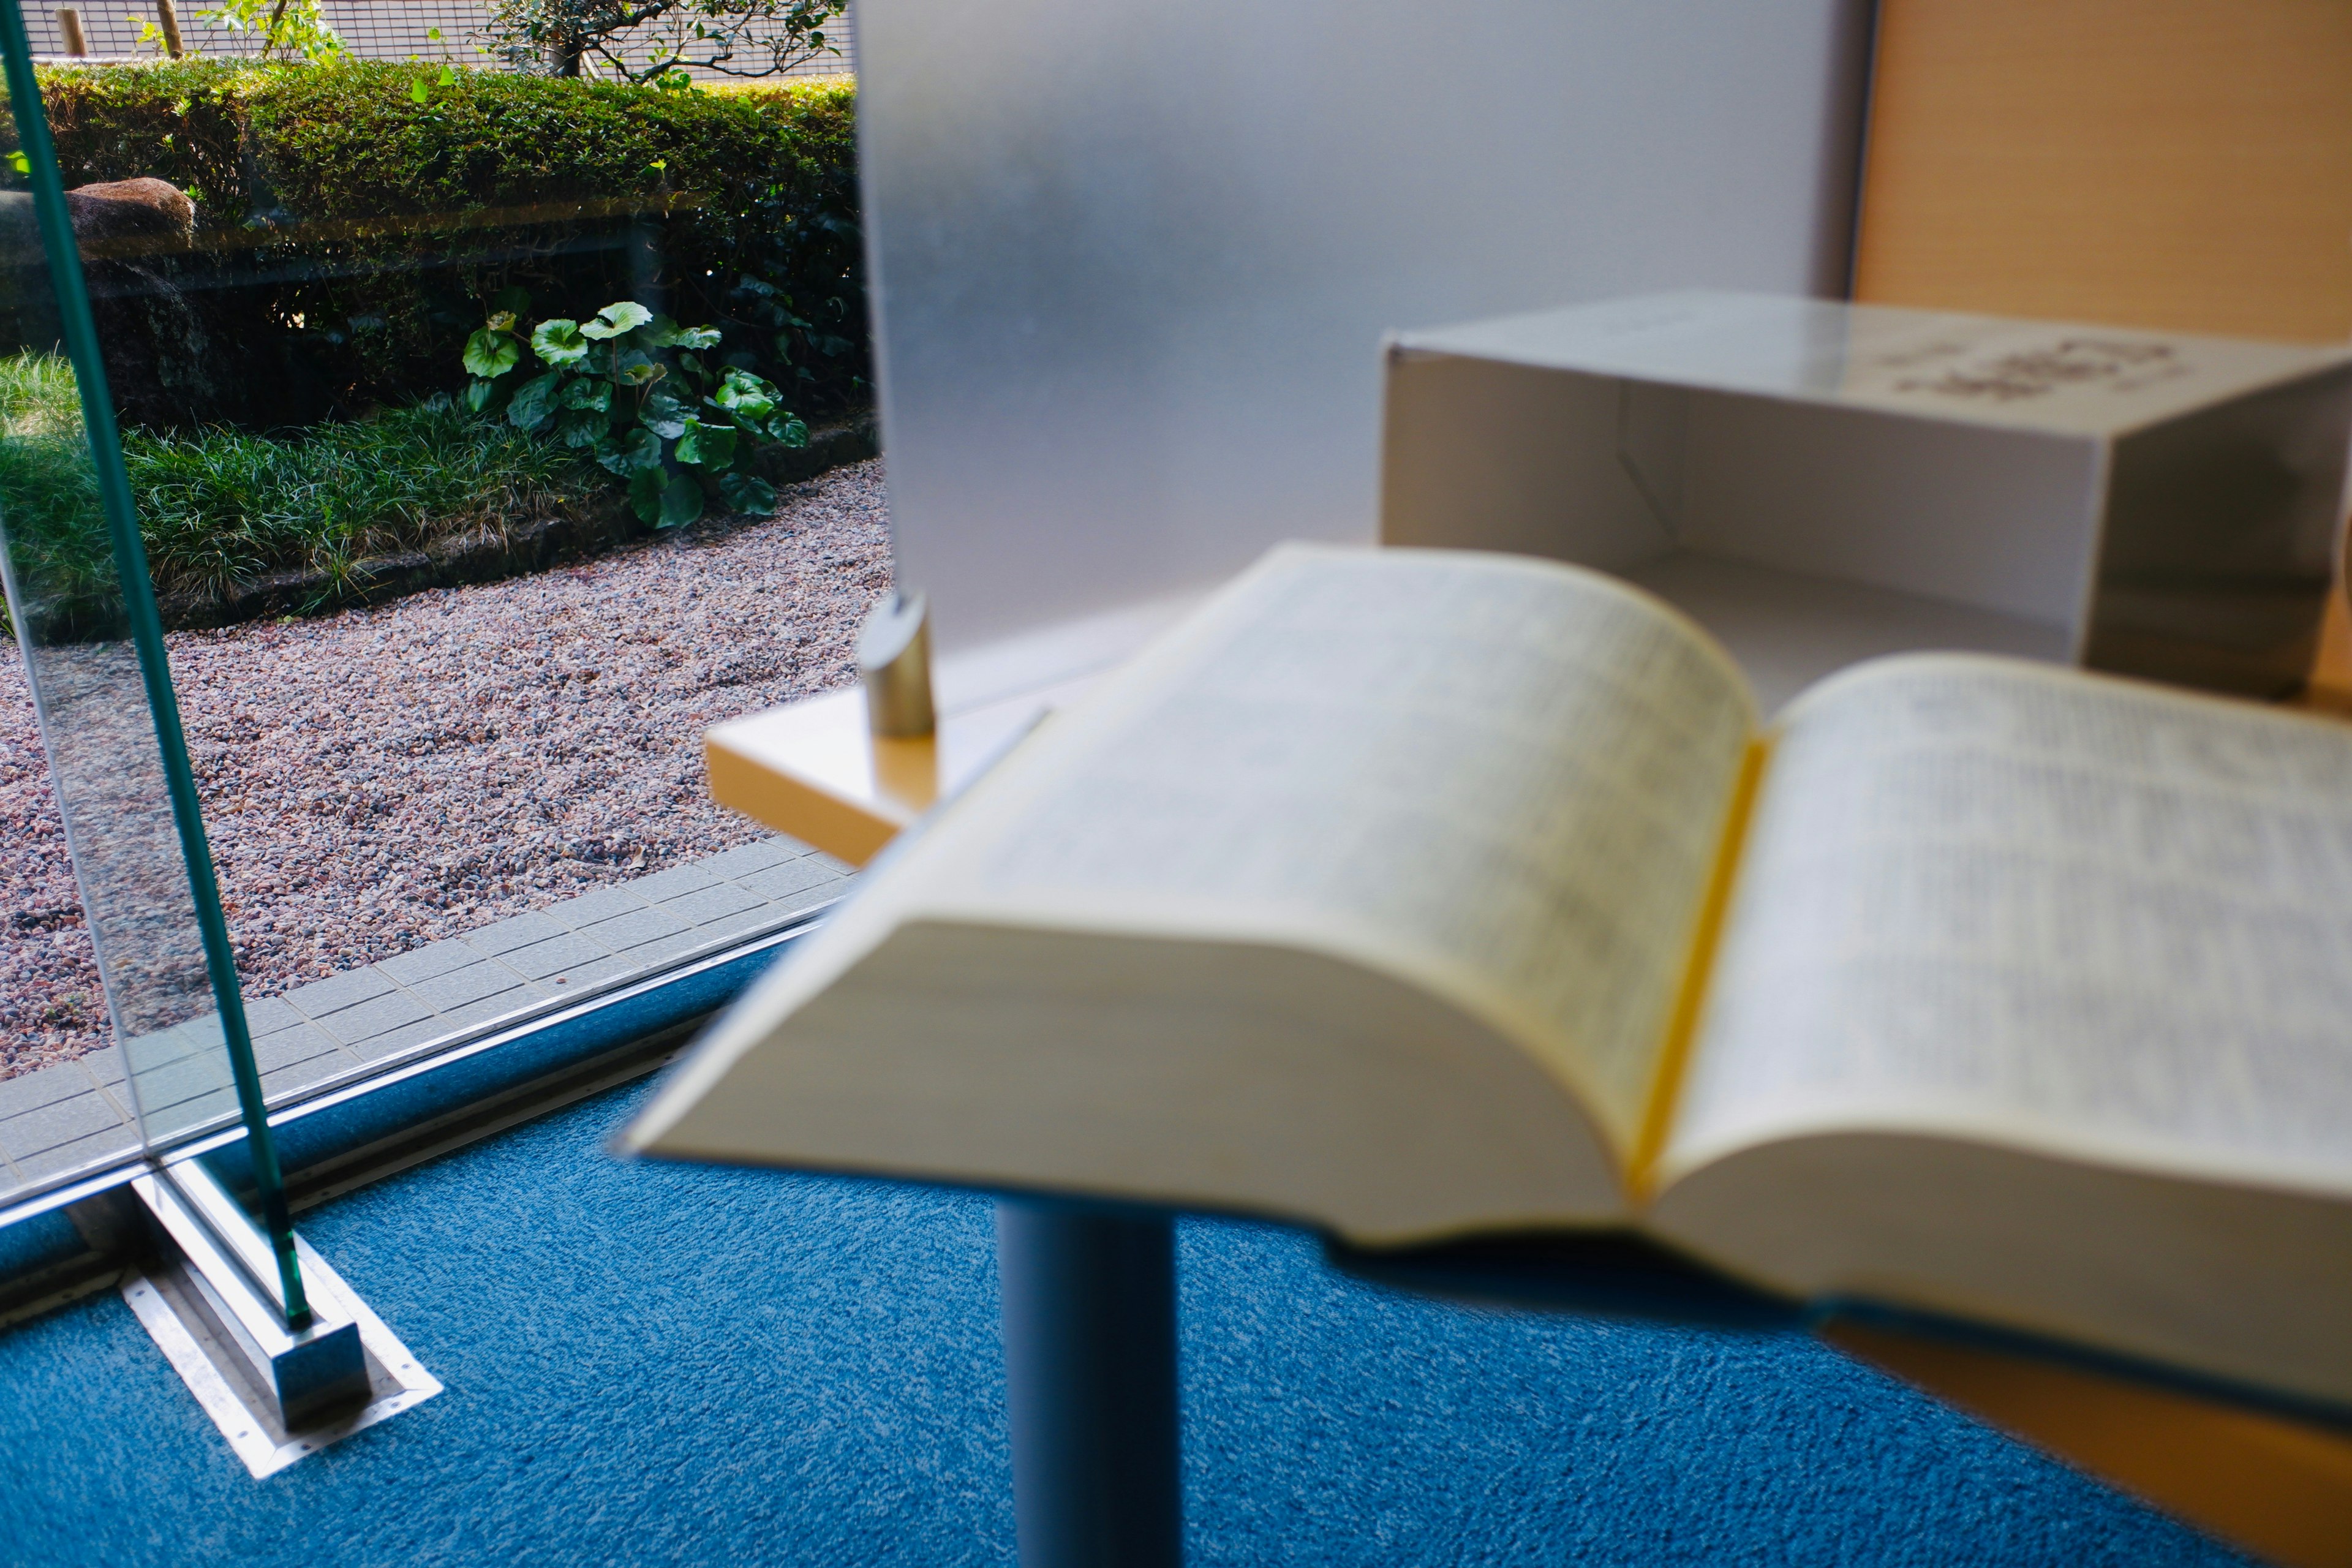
(365, 231)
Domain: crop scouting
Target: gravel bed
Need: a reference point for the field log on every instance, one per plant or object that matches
(389, 776)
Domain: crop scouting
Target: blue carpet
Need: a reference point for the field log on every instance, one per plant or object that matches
(656, 1364)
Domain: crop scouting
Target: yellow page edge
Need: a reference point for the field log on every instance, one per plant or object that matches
(1682, 1027)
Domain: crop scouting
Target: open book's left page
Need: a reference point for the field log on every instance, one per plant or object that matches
(1367, 896)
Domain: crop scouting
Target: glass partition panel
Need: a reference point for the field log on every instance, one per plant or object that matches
(84, 616)
(496, 418)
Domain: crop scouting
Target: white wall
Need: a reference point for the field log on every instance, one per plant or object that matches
(1133, 258)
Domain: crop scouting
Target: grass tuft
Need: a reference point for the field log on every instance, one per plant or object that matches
(219, 508)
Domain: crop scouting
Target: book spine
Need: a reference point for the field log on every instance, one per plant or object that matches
(1690, 1003)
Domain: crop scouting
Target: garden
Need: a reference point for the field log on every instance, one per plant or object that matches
(490, 434)
(366, 261)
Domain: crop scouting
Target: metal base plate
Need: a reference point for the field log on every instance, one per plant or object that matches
(183, 1325)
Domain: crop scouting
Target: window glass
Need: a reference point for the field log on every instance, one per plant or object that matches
(494, 406)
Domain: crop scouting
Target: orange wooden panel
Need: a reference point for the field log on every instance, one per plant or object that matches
(2166, 164)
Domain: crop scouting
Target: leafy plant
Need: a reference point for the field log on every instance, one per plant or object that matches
(633, 389)
(732, 37)
(288, 29)
(800, 345)
(422, 89)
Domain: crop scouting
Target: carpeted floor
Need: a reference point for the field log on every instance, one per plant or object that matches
(652, 1364)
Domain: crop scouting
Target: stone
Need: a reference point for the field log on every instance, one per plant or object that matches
(115, 210)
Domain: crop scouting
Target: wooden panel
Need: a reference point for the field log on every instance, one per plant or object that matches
(2168, 164)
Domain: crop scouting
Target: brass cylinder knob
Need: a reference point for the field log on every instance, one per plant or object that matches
(894, 659)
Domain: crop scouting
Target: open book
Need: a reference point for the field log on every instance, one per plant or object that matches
(1416, 893)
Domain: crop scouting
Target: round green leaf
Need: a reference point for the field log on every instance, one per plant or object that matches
(748, 492)
(664, 416)
(559, 342)
(747, 397)
(530, 408)
(681, 501)
(635, 454)
(645, 488)
(490, 354)
(622, 316)
(708, 446)
(582, 426)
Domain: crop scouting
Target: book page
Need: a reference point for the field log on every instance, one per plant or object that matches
(1505, 780)
(2091, 917)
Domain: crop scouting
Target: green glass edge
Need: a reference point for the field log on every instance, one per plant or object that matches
(146, 633)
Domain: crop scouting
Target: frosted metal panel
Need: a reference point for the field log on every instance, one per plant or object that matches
(1133, 260)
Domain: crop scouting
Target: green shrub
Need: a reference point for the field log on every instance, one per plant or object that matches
(182, 121)
(377, 208)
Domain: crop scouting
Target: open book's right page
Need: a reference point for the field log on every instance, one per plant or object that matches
(1994, 898)
(2034, 1001)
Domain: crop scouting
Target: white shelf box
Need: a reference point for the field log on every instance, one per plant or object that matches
(1819, 482)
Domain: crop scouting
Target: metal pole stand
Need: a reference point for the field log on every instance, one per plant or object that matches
(1090, 1368)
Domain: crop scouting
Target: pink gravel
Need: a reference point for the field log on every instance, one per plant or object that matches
(390, 776)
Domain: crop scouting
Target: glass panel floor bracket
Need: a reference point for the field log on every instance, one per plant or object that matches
(206, 1295)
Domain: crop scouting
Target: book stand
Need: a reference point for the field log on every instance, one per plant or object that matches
(1090, 1301)
(1088, 1287)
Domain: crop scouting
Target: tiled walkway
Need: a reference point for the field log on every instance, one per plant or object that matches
(78, 1114)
